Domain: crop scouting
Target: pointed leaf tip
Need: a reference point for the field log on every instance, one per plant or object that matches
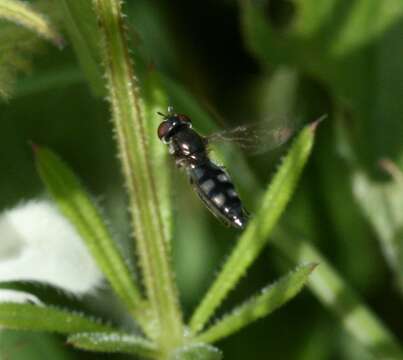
(255, 237)
(268, 300)
(315, 123)
(87, 220)
(390, 168)
(312, 267)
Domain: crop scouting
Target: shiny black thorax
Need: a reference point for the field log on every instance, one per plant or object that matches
(188, 148)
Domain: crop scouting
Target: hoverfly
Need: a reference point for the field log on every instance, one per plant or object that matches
(210, 181)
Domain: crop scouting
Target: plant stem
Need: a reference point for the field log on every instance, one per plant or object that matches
(134, 152)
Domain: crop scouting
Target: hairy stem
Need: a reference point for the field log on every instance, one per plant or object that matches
(131, 134)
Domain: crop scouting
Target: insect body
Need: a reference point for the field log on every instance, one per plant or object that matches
(211, 182)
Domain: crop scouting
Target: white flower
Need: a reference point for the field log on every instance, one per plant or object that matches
(18, 297)
(38, 244)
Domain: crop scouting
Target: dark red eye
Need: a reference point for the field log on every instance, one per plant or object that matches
(184, 118)
(163, 129)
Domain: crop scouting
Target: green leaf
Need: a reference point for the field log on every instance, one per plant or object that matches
(270, 299)
(346, 45)
(311, 41)
(156, 100)
(196, 352)
(255, 237)
(113, 343)
(45, 318)
(17, 46)
(80, 22)
(345, 218)
(77, 206)
(134, 150)
(335, 294)
(23, 14)
(382, 203)
(18, 345)
(48, 81)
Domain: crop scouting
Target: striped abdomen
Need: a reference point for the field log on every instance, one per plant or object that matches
(217, 191)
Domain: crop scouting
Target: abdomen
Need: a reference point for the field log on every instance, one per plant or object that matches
(216, 190)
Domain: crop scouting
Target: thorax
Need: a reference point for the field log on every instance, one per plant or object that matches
(187, 145)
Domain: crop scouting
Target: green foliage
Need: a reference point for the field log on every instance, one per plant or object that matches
(14, 58)
(196, 352)
(382, 204)
(348, 47)
(80, 22)
(257, 233)
(31, 345)
(18, 44)
(77, 206)
(336, 57)
(46, 318)
(113, 342)
(335, 294)
(22, 14)
(132, 136)
(155, 100)
(337, 42)
(269, 299)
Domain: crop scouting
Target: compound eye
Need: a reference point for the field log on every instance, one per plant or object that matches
(163, 129)
(184, 118)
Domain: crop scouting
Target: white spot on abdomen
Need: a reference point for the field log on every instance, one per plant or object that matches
(219, 199)
(232, 193)
(207, 186)
(223, 178)
(199, 172)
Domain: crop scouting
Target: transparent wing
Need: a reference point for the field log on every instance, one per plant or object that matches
(255, 138)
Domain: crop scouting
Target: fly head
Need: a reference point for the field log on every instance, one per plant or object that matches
(171, 124)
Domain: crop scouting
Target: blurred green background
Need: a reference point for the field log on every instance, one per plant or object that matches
(247, 61)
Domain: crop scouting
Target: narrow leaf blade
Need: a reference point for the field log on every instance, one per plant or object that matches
(46, 318)
(80, 22)
(113, 342)
(270, 299)
(156, 100)
(256, 235)
(23, 14)
(196, 352)
(335, 293)
(77, 206)
(382, 204)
